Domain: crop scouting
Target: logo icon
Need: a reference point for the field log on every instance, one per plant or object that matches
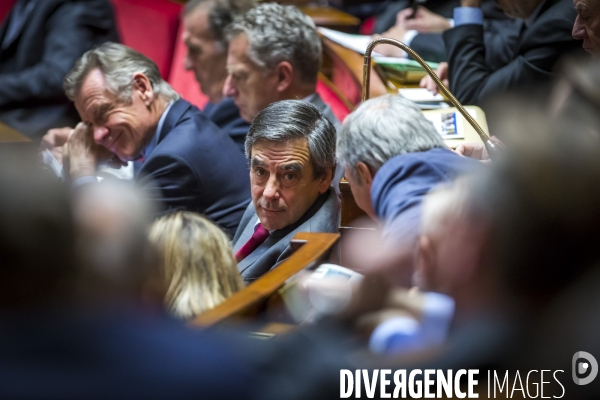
(584, 364)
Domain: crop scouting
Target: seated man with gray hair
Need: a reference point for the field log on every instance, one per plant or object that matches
(204, 23)
(129, 111)
(274, 54)
(291, 149)
(392, 156)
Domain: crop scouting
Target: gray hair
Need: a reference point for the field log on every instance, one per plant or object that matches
(220, 14)
(295, 119)
(382, 128)
(118, 63)
(279, 33)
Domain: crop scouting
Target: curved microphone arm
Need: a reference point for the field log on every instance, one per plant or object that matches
(492, 148)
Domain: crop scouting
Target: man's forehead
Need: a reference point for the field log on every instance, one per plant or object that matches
(196, 23)
(281, 151)
(93, 93)
(238, 50)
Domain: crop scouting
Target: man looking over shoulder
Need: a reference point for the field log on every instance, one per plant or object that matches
(128, 110)
(393, 156)
(274, 54)
(545, 37)
(291, 148)
(204, 24)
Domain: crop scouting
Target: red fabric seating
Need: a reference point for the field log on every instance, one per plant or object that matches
(331, 96)
(184, 82)
(150, 27)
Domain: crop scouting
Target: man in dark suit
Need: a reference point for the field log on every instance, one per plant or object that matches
(422, 31)
(291, 148)
(274, 54)
(204, 23)
(40, 41)
(393, 156)
(129, 111)
(545, 37)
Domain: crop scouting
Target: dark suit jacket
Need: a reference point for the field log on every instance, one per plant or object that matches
(387, 18)
(197, 167)
(226, 116)
(501, 32)
(322, 216)
(539, 47)
(32, 67)
(403, 181)
(122, 353)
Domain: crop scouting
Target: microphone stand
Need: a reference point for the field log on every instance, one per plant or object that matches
(491, 147)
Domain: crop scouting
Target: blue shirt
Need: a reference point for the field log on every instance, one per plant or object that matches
(468, 15)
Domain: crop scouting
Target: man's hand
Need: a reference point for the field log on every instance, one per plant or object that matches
(424, 21)
(477, 150)
(83, 153)
(470, 3)
(442, 72)
(54, 140)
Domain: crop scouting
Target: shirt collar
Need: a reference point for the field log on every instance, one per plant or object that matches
(311, 97)
(529, 20)
(258, 222)
(154, 140)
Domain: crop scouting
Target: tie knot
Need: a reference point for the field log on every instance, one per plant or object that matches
(260, 233)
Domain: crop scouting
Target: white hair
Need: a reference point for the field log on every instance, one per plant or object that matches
(382, 128)
(118, 64)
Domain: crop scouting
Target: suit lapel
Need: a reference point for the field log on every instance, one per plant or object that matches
(175, 113)
(267, 245)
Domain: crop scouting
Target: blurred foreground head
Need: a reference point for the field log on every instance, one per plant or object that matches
(543, 202)
(37, 239)
(200, 270)
(118, 259)
(576, 94)
(527, 227)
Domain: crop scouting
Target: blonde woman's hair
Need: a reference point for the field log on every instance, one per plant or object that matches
(200, 269)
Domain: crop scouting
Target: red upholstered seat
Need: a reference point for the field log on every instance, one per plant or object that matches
(184, 81)
(150, 27)
(331, 96)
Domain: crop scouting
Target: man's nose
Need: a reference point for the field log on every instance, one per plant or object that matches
(187, 63)
(101, 133)
(271, 191)
(578, 29)
(228, 89)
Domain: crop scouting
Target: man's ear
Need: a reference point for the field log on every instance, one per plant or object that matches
(364, 173)
(325, 180)
(143, 88)
(285, 75)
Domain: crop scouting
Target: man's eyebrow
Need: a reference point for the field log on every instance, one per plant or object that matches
(235, 69)
(258, 163)
(99, 111)
(294, 167)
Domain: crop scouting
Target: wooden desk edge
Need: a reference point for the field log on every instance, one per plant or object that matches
(314, 246)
